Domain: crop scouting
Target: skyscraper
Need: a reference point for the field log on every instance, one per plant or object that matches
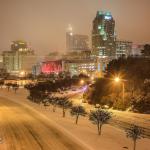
(76, 42)
(69, 38)
(103, 35)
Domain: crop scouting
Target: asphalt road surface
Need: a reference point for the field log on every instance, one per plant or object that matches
(22, 128)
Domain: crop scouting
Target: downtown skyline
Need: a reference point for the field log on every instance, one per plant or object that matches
(43, 23)
(74, 74)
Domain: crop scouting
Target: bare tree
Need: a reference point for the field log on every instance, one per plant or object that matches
(135, 133)
(15, 87)
(8, 85)
(53, 101)
(64, 103)
(1, 83)
(99, 117)
(78, 111)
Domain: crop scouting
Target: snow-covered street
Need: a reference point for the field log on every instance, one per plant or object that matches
(22, 128)
(49, 129)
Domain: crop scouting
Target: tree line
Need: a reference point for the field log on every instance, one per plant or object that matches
(98, 116)
(9, 86)
(135, 75)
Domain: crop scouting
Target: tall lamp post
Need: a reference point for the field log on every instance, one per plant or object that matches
(117, 80)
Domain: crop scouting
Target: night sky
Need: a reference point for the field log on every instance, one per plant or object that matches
(43, 23)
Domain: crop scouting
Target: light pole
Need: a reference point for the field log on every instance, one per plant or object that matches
(117, 80)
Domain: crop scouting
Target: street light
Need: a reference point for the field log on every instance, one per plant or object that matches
(117, 80)
(81, 82)
(22, 73)
(92, 78)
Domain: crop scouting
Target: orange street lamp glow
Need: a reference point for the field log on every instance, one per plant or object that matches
(117, 79)
(92, 78)
(82, 82)
(22, 73)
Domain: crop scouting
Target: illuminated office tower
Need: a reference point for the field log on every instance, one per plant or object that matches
(103, 35)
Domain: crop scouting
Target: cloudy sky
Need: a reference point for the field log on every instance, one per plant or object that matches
(43, 23)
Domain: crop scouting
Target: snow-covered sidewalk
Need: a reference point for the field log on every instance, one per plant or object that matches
(111, 139)
(142, 120)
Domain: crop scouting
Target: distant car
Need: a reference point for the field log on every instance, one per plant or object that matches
(74, 89)
(105, 107)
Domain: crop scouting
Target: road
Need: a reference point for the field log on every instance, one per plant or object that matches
(23, 128)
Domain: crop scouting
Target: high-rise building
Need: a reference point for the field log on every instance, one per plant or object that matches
(69, 38)
(103, 35)
(76, 42)
(80, 42)
(123, 48)
(19, 59)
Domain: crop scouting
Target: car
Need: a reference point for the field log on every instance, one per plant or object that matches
(74, 89)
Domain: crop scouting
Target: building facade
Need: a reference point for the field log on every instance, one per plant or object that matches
(19, 46)
(103, 35)
(19, 59)
(76, 42)
(123, 48)
(76, 67)
(48, 67)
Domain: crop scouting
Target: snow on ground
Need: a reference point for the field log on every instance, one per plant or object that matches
(24, 128)
(111, 139)
(142, 120)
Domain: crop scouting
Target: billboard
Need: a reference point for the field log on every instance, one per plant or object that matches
(49, 67)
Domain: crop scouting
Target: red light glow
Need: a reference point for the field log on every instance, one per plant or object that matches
(51, 67)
